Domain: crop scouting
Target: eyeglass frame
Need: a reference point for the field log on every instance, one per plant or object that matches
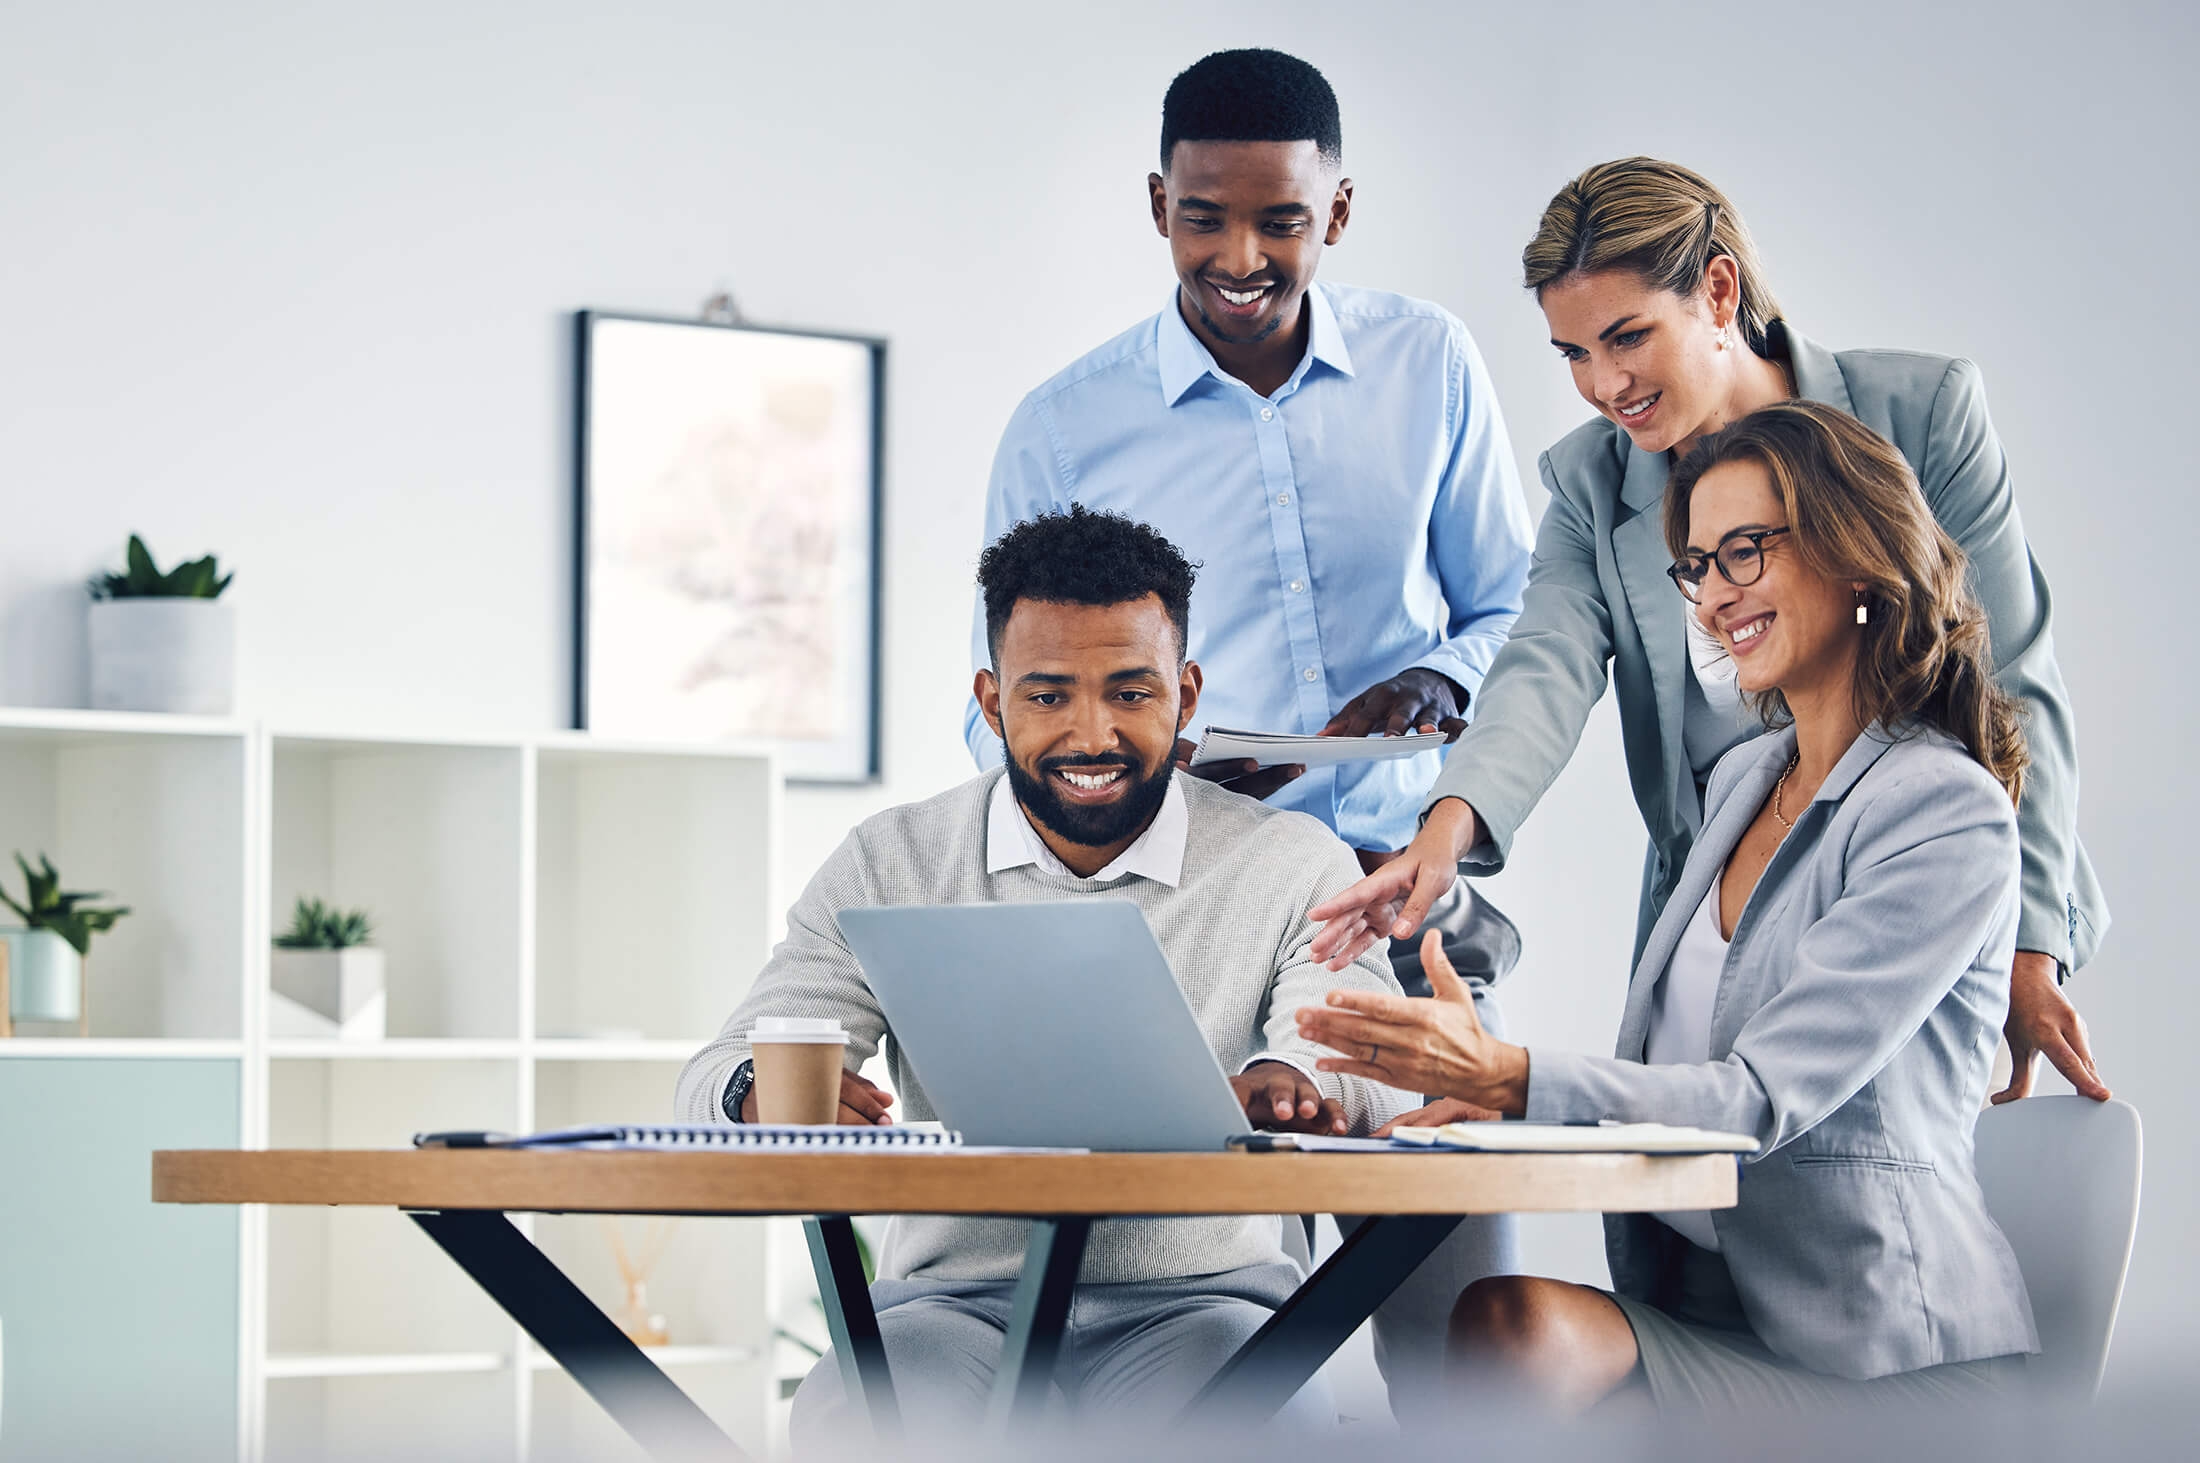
(1680, 569)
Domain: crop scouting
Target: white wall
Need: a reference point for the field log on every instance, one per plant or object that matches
(291, 283)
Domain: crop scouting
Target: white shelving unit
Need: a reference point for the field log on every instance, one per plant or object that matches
(565, 922)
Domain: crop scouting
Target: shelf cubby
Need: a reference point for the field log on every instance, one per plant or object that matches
(359, 1282)
(425, 837)
(390, 1415)
(158, 820)
(710, 1275)
(654, 901)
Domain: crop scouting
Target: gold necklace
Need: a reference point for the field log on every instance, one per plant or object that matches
(1781, 787)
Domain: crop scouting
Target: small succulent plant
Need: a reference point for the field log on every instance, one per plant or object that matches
(318, 926)
(142, 579)
(49, 907)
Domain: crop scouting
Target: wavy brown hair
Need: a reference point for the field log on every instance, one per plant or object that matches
(1657, 220)
(1855, 513)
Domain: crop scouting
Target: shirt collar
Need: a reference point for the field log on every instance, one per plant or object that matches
(1157, 854)
(1184, 359)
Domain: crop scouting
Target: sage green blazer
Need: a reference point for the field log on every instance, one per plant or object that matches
(1599, 609)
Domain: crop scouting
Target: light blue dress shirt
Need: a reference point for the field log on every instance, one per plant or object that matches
(1364, 520)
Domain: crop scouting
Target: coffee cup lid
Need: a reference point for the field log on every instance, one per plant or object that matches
(797, 1029)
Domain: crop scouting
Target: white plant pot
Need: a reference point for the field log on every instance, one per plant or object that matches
(335, 993)
(164, 654)
(45, 977)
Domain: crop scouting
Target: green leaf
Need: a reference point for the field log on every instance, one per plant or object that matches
(139, 560)
(315, 925)
(194, 580)
(50, 908)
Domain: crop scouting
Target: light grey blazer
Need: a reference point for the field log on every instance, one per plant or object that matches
(1853, 1035)
(1599, 604)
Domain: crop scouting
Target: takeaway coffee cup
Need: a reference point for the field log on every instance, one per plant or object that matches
(797, 1068)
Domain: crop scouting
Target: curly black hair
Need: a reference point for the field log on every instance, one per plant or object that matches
(1251, 96)
(1083, 557)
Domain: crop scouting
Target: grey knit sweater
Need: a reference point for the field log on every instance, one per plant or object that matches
(1236, 934)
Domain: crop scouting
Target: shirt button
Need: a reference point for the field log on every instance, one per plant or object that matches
(1311, 674)
(1283, 500)
(1298, 586)
(1267, 413)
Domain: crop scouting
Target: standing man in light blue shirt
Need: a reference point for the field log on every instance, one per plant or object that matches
(1335, 460)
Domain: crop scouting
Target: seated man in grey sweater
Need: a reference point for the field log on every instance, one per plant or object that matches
(1086, 617)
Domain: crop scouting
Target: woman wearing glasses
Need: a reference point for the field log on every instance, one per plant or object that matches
(1828, 976)
(1655, 298)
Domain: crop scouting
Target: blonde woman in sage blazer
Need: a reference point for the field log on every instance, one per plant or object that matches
(1656, 299)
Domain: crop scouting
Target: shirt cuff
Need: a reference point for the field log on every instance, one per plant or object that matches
(1292, 1062)
(2046, 932)
(1555, 1092)
(1455, 669)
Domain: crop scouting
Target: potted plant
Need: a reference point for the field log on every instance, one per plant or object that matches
(326, 977)
(162, 642)
(42, 963)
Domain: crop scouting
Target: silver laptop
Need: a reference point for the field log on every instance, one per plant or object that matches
(1046, 1025)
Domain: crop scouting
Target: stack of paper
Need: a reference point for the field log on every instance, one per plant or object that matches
(1279, 749)
(1575, 1138)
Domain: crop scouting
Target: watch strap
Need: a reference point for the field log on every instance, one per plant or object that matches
(737, 1091)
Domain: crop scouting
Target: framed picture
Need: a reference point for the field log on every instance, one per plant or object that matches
(727, 542)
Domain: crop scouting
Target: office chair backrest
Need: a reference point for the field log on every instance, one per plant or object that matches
(2061, 1178)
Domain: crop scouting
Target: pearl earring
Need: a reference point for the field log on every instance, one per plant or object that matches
(1719, 340)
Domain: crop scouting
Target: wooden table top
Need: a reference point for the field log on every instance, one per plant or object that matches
(949, 1183)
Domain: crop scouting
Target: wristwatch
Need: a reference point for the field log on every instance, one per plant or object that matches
(737, 1090)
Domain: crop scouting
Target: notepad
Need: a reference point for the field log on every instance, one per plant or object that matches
(1279, 749)
(1322, 1143)
(778, 1137)
(1574, 1138)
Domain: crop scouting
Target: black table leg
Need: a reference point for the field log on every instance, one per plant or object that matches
(851, 1322)
(576, 1332)
(1307, 1329)
(1033, 1345)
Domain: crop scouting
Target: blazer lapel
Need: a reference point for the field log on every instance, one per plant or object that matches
(1713, 846)
(1639, 548)
(1817, 374)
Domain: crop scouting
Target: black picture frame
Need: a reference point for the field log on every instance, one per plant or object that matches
(854, 757)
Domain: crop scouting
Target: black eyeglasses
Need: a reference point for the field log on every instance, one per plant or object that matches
(1740, 557)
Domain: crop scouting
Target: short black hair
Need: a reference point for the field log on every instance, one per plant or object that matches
(1083, 557)
(1251, 96)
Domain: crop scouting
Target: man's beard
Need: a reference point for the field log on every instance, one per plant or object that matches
(1095, 826)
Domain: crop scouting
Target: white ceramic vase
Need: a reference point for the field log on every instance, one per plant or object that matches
(164, 654)
(45, 977)
(328, 993)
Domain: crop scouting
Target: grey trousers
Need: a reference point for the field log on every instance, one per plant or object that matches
(1411, 1327)
(1132, 1354)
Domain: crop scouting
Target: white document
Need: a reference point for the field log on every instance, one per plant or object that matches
(1277, 749)
(1575, 1138)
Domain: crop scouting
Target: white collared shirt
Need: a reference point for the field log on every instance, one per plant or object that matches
(1680, 1024)
(1157, 854)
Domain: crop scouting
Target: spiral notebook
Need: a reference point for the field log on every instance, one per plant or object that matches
(781, 1137)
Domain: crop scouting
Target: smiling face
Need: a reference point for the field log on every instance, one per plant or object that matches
(1088, 702)
(1246, 224)
(1646, 357)
(1794, 629)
